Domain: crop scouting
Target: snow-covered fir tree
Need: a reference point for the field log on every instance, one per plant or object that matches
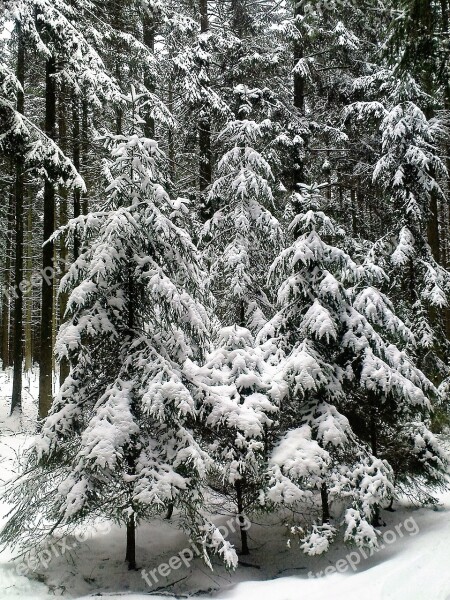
(338, 332)
(119, 440)
(243, 234)
(240, 415)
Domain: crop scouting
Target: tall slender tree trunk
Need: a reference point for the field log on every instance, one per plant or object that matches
(85, 155)
(29, 293)
(76, 163)
(6, 298)
(240, 506)
(130, 556)
(204, 137)
(46, 352)
(445, 17)
(16, 400)
(63, 217)
(298, 174)
(325, 504)
(171, 139)
(374, 447)
(149, 28)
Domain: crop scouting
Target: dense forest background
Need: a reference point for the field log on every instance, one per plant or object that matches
(227, 220)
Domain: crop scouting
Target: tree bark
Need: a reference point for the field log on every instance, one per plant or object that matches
(204, 137)
(85, 155)
(29, 294)
(6, 298)
(240, 505)
(298, 173)
(76, 153)
(63, 218)
(46, 353)
(149, 27)
(16, 400)
(130, 557)
(325, 504)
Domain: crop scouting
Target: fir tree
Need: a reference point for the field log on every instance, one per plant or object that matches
(119, 440)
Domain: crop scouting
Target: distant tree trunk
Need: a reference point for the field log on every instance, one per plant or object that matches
(63, 218)
(7, 299)
(240, 506)
(446, 34)
(131, 543)
(298, 174)
(76, 163)
(325, 504)
(16, 400)
(46, 352)
(171, 140)
(204, 137)
(374, 447)
(85, 158)
(149, 27)
(29, 294)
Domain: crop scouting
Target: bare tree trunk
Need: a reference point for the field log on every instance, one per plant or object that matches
(298, 174)
(130, 557)
(325, 504)
(240, 505)
(63, 217)
(204, 137)
(6, 299)
(149, 27)
(46, 352)
(16, 400)
(76, 163)
(85, 153)
(29, 294)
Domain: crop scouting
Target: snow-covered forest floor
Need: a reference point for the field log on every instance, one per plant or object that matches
(413, 565)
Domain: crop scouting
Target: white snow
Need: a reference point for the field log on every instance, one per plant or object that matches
(412, 567)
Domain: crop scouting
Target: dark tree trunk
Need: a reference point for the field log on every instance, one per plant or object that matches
(325, 504)
(7, 299)
(169, 511)
(76, 163)
(130, 557)
(374, 446)
(240, 505)
(298, 172)
(204, 138)
(46, 352)
(63, 217)
(85, 159)
(16, 400)
(149, 27)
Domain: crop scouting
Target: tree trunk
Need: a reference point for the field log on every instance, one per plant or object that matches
(130, 557)
(29, 294)
(46, 353)
(298, 173)
(240, 505)
(374, 447)
(149, 41)
(204, 137)
(325, 504)
(85, 158)
(63, 217)
(16, 400)
(76, 163)
(8, 291)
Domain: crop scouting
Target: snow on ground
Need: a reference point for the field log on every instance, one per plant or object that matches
(412, 566)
